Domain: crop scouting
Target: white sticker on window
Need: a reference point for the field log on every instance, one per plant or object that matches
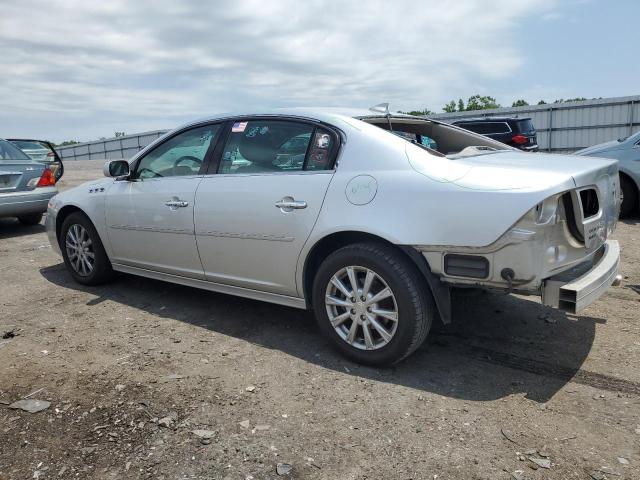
(323, 140)
(239, 127)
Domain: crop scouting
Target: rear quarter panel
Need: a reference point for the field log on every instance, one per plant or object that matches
(410, 208)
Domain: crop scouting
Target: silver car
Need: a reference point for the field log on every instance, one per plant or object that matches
(26, 186)
(627, 151)
(41, 151)
(369, 229)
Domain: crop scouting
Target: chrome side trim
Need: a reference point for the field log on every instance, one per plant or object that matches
(152, 229)
(246, 236)
(294, 302)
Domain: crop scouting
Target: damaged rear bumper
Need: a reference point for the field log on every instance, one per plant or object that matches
(575, 289)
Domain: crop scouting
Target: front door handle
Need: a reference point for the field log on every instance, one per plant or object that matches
(288, 204)
(176, 203)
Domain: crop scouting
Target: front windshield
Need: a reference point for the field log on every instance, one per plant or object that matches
(8, 152)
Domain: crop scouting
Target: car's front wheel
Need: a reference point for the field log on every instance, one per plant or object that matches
(83, 252)
(373, 303)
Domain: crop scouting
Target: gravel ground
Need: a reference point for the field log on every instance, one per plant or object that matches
(133, 368)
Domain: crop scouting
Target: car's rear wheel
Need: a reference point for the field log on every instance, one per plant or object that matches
(83, 252)
(629, 197)
(372, 302)
(33, 219)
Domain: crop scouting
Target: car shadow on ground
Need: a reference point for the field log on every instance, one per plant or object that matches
(11, 228)
(498, 345)
(631, 220)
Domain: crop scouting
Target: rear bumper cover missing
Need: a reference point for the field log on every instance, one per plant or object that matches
(575, 289)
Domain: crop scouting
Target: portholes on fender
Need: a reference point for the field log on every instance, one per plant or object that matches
(361, 189)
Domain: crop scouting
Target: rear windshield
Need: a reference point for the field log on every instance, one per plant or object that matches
(526, 125)
(8, 151)
(21, 144)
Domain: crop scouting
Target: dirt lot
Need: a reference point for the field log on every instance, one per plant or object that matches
(133, 368)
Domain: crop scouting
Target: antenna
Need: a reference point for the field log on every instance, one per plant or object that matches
(383, 108)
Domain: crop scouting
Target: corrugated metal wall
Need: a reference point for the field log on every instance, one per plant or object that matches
(570, 126)
(562, 127)
(111, 148)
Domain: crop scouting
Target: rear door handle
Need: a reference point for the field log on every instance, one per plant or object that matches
(175, 204)
(288, 204)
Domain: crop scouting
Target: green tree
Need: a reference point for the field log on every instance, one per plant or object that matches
(520, 103)
(481, 102)
(450, 107)
(419, 113)
(119, 134)
(67, 142)
(460, 105)
(542, 102)
(562, 100)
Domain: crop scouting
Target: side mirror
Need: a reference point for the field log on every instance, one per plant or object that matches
(116, 168)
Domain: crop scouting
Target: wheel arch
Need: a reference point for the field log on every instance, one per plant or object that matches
(632, 180)
(334, 241)
(63, 213)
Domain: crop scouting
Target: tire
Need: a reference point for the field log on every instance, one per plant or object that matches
(629, 197)
(101, 270)
(411, 301)
(33, 219)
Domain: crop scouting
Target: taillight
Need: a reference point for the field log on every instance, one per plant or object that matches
(51, 154)
(47, 179)
(519, 139)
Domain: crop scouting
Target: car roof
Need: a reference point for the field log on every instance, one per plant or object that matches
(323, 114)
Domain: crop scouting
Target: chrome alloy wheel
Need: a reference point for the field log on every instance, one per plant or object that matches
(80, 250)
(361, 308)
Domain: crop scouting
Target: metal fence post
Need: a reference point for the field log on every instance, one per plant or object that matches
(550, 127)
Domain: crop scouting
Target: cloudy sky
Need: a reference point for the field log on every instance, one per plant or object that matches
(83, 70)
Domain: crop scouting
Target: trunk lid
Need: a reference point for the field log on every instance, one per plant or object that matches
(16, 174)
(592, 185)
(517, 170)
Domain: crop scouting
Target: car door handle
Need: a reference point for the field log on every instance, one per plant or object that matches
(173, 204)
(288, 204)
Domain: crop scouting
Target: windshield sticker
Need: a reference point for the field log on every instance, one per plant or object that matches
(239, 127)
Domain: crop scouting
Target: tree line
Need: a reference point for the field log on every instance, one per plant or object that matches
(485, 102)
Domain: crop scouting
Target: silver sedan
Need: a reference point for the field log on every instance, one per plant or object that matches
(26, 186)
(329, 210)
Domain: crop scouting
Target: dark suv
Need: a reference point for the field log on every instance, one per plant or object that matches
(514, 131)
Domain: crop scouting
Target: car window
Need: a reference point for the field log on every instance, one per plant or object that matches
(268, 146)
(526, 126)
(475, 127)
(496, 127)
(22, 145)
(486, 128)
(183, 154)
(320, 151)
